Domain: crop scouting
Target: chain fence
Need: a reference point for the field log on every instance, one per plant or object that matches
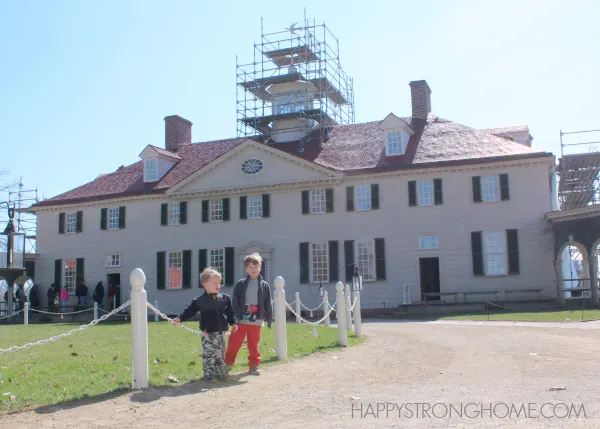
(168, 319)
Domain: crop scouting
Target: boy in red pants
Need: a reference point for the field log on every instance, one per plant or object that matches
(251, 301)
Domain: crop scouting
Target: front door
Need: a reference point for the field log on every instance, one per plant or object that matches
(430, 277)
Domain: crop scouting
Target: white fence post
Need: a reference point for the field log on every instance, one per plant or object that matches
(357, 316)
(348, 303)
(298, 309)
(280, 322)
(155, 313)
(26, 313)
(139, 330)
(326, 309)
(340, 315)
(95, 310)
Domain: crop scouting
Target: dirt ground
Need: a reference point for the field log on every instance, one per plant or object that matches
(494, 366)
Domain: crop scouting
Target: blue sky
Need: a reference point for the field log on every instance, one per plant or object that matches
(85, 85)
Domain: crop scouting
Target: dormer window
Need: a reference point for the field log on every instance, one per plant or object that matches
(395, 144)
(150, 170)
(396, 132)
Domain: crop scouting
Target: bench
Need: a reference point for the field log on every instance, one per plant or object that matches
(439, 295)
(577, 289)
(538, 291)
(480, 292)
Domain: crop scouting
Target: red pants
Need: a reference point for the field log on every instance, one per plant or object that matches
(235, 343)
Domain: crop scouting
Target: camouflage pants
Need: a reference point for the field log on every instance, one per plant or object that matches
(213, 354)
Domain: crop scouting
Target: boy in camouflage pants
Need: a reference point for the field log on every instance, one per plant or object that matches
(216, 314)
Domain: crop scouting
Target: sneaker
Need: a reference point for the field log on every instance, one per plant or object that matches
(209, 378)
(254, 371)
(224, 375)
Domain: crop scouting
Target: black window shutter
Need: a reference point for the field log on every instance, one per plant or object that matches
(58, 272)
(229, 266)
(305, 202)
(349, 259)
(334, 270)
(160, 270)
(61, 223)
(79, 270)
(350, 198)
(380, 259)
(374, 196)
(79, 224)
(183, 212)
(476, 189)
(204, 211)
(438, 193)
(186, 269)
(477, 250)
(103, 218)
(122, 217)
(329, 200)
(412, 193)
(504, 191)
(243, 203)
(266, 207)
(513, 251)
(164, 214)
(225, 209)
(202, 263)
(304, 263)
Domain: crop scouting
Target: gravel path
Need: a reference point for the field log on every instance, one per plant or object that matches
(451, 363)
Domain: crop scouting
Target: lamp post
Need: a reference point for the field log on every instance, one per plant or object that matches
(12, 254)
(356, 280)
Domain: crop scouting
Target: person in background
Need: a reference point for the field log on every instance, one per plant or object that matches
(81, 292)
(98, 295)
(64, 297)
(52, 295)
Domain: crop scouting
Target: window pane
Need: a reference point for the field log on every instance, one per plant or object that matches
(71, 222)
(394, 143)
(320, 262)
(428, 242)
(216, 210)
(489, 188)
(317, 201)
(150, 170)
(365, 258)
(217, 261)
(113, 218)
(70, 274)
(363, 197)
(425, 192)
(255, 206)
(494, 253)
(175, 270)
(174, 213)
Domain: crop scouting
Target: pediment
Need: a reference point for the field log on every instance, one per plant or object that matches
(253, 165)
(254, 248)
(392, 121)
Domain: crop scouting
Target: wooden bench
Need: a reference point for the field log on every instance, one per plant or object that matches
(480, 292)
(538, 291)
(577, 289)
(439, 294)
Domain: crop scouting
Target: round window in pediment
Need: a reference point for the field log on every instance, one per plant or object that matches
(252, 166)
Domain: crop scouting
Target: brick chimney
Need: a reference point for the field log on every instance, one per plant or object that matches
(420, 95)
(178, 132)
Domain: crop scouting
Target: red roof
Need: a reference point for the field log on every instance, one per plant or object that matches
(351, 149)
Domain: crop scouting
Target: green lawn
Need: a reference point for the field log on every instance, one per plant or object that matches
(97, 361)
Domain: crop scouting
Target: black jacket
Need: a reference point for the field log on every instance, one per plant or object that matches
(264, 299)
(216, 312)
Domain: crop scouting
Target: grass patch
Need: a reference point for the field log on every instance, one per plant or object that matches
(97, 361)
(562, 316)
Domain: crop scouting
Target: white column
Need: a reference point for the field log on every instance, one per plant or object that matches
(298, 310)
(280, 322)
(95, 310)
(348, 297)
(326, 309)
(341, 315)
(26, 314)
(139, 330)
(357, 316)
(155, 313)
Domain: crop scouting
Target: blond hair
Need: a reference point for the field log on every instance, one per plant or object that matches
(207, 273)
(254, 258)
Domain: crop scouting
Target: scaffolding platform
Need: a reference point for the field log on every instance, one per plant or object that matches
(578, 185)
(291, 55)
(261, 123)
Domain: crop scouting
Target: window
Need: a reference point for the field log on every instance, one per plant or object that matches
(365, 258)
(255, 208)
(317, 201)
(216, 259)
(319, 262)
(489, 188)
(113, 260)
(150, 170)
(174, 213)
(395, 142)
(428, 242)
(175, 270)
(70, 275)
(71, 222)
(494, 253)
(216, 210)
(113, 218)
(363, 197)
(425, 192)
